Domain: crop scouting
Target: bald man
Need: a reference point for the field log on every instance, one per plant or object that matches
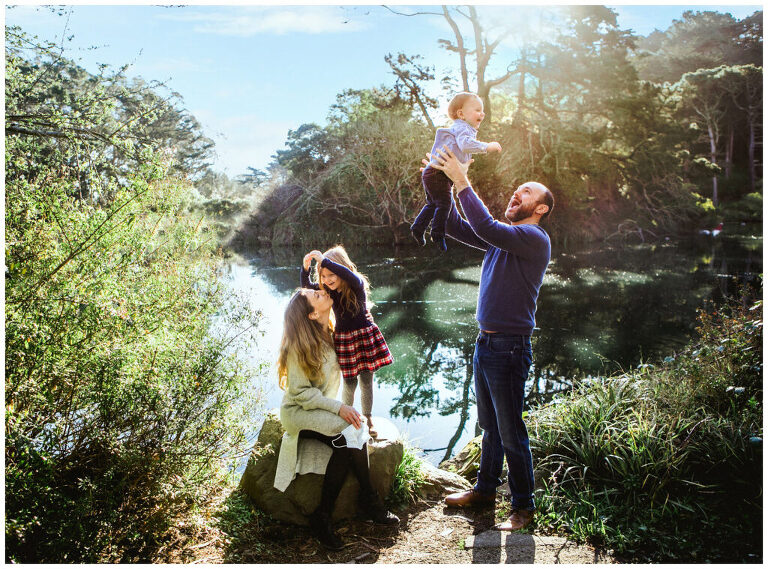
(516, 257)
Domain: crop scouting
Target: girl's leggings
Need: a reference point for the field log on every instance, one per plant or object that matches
(366, 391)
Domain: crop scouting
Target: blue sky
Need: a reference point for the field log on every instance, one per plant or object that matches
(250, 73)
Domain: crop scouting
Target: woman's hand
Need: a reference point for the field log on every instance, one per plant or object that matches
(350, 415)
(493, 147)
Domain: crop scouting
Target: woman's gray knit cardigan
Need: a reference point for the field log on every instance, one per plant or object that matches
(312, 406)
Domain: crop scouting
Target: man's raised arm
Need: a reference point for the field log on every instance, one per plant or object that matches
(515, 239)
(461, 231)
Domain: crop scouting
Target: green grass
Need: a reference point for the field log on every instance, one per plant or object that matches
(234, 515)
(408, 478)
(663, 463)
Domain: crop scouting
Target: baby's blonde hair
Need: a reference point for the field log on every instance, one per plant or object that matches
(458, 101)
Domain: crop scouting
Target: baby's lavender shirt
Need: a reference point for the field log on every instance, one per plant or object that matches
(460, 139)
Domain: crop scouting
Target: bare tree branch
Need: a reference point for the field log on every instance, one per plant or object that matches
(459, 47)
(414, 14)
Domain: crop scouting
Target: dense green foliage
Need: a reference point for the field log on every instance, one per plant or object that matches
(355, 173)
(699, 40)
(235, 518)
(119, 401)
(408, 479)
(663, 463)
(643, 136)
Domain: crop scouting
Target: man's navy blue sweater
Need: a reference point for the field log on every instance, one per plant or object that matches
(516, 257)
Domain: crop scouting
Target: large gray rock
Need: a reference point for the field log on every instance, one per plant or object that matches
(467, 461)
(303, 495)
(439, 482)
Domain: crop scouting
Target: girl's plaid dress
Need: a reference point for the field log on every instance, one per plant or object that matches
(359, 343)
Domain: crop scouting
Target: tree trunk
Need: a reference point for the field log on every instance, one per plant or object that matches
(459, 48)
(483, 52)
(729, 153)
(539, 85)
(751, 155)
(485, 94)
(713, 159)
(415, 93)
(482, 56)
(521, 87)
(424, 112)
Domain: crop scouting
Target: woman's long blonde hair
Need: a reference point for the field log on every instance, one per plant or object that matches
(339, 255)
(307, 338)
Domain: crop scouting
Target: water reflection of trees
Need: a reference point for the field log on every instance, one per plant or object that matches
(599, 311)
(412, 291)
(605, 310)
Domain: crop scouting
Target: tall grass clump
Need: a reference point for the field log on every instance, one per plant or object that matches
(663, 463)
(408, 478)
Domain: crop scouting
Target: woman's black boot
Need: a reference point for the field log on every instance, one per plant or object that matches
(320, 524)
(373, 510)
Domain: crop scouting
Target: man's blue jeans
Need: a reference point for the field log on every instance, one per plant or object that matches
(501, 365)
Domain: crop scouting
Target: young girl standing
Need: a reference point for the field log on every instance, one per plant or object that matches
(360, 346)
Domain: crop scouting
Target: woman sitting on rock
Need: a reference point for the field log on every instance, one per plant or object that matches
(310, 375)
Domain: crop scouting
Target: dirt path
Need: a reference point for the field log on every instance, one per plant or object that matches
(435, 534)
(428, 533)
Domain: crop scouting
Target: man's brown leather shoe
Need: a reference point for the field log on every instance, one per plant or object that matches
(517, 521)
(470, 499)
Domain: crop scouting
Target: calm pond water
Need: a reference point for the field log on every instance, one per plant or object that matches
(601, 309)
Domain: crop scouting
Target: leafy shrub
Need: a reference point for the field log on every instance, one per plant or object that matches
(119, 398)
(370, 181)
(235, 519)
(408, 478)
(651, 462)
(748, 208)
